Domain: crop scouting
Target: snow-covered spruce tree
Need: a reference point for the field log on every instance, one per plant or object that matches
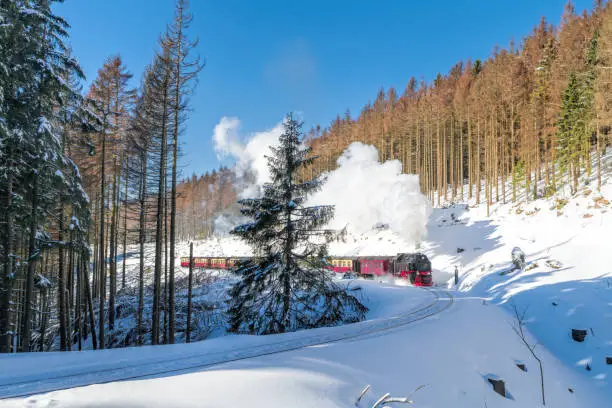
(286, 287)
(37, 179)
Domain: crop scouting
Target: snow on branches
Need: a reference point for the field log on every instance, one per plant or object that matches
(287, 287)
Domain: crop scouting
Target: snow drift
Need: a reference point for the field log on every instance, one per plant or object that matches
(367, 194)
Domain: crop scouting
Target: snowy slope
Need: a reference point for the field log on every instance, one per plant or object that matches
(568, 281)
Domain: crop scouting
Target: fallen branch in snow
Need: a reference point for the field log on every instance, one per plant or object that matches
(361, 395)
(518, 329)
(387, 398)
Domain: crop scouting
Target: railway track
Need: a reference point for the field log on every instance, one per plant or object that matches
(16, 388)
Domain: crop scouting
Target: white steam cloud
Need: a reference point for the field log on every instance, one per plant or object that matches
(251, 165)
(365, 193)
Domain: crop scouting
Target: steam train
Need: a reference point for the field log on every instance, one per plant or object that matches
(413, 266)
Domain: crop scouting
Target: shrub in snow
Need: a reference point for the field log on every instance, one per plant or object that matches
(286, 286)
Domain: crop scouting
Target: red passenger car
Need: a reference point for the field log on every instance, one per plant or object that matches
(371, 266)
(198, 262)
(341, 265)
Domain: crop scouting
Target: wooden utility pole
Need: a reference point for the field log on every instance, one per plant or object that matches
(189, 294)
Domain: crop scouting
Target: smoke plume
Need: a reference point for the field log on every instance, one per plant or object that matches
(366, 194)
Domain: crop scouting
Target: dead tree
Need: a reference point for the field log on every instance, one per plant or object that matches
(518, 329)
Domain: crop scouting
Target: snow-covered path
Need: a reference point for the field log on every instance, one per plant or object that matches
(80, 369)
(451, 354)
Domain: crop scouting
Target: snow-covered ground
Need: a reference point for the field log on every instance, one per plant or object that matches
(567, 284)
(451, 355)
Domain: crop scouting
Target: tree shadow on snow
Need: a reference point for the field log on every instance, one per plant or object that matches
(448, 233)
(552, 309)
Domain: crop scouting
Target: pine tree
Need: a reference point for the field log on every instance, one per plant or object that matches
(286, 287)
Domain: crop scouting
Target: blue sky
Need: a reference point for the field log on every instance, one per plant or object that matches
(265, 58)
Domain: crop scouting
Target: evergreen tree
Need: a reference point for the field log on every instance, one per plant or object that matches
(575, 126)
(568, 132)
(286, 287)
(38, 98)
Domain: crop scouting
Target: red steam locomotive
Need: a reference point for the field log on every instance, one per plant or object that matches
(414, 266)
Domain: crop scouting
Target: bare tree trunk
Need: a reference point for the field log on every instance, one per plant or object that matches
(113, 249)
(101, 244)
(61, 283)
(159, 225)
(165, 305)
(44, 318)
(32, 255)
(125, 231)
(469, 146)
(7, 280)
(92, 322)
(478, 174)
(78, 320)
(95, 284)
(598, 152)
(141, 239)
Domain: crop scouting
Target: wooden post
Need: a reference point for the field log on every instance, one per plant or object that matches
(189, 292)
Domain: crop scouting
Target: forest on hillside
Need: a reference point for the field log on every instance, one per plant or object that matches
(536, 113)
(85, 173)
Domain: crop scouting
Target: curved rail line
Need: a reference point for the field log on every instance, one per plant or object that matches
(25, 388)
